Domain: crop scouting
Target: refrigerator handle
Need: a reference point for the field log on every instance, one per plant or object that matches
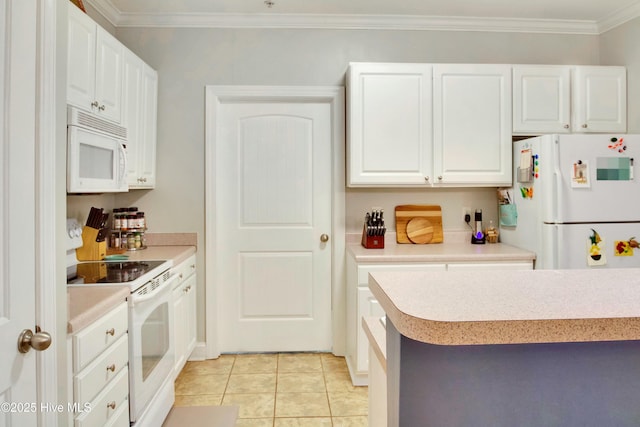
(557, 185)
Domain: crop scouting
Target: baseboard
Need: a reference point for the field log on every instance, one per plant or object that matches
(199, 352)
(357, 378)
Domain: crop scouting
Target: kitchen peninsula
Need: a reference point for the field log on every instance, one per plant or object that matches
(505, 348)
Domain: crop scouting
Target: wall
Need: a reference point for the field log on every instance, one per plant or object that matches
(619, 47)
(188, 59)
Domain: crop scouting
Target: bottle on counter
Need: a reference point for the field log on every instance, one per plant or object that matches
(131, 241)
(142, 223)
(117, 219)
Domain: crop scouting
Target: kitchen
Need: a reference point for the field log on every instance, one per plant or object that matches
(283, 57)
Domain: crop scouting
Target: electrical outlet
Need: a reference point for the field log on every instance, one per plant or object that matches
(466, 211)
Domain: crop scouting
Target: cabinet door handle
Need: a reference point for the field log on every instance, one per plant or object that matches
(111, 332)
(584, 126)
(101, 108)
(111, 367)
(111, 405)
(94, 104)
(440, 178)
(566, 126)
(426, 178)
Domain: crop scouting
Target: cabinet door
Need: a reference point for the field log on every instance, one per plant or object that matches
(190, 316)
(541, 99)
(179, 313)
(368, 306)
(389, 130)
(600, 99)
(139, 108)
(131, 112)
(472, 124)
(108, 59)
(147, 150)
(81, 59)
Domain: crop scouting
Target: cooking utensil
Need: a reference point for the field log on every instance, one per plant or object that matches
(420, 229)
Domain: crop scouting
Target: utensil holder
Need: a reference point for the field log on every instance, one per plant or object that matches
(371, 242)
(91, 250)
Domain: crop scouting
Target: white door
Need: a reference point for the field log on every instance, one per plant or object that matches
(17, 209)
(273, 183)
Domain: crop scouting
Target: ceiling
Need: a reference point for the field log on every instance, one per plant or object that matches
(558, 16)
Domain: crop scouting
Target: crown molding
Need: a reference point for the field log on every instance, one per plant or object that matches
(360, 22)
(618, 18)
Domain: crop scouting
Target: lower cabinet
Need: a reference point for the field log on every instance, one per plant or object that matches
(184, 312)
(99, 357)
(361, 302)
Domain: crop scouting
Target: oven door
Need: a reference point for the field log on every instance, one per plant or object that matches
(151, 346)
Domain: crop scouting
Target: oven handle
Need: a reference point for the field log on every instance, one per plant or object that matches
(135, 299)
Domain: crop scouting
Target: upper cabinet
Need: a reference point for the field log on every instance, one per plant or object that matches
(569, 99)
(541, 99)
(428, 125)
(600, 99)
(106, 78)
(140, 93)
(390, 130)
(472, 124)
(94, 67)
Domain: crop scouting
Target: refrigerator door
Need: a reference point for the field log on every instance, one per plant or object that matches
(589, 178)
(589, 246)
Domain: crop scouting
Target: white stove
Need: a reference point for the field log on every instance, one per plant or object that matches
(151, 346)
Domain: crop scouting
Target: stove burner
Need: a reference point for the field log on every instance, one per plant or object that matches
(107, 272)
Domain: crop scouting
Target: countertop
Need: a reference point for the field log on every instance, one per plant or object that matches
(509, 307)
(87, 304)
(455, 248)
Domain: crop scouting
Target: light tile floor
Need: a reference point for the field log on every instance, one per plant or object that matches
(277, 390)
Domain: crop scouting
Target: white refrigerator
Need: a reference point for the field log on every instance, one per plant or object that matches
(575, 201)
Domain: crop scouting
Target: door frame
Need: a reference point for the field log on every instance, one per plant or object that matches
(48, 197)
(334, 96)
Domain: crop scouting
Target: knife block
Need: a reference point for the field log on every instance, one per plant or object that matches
(371, 242)
(91, 250)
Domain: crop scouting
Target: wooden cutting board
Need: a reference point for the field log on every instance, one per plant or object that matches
(419, 224)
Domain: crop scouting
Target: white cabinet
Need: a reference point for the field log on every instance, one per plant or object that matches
(99, 360)
(600, 99)
(428, 125)
(389, 132)
(472, 124)
(361, 302)
(541, 99)
(563, 99)
(184, 311)
(140, 83)
(94, 67)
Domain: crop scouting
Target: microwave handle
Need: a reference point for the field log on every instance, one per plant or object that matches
(123, 162)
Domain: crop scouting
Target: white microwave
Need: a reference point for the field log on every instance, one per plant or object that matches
(96, 154)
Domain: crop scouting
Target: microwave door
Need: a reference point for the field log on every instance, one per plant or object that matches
(96, 162)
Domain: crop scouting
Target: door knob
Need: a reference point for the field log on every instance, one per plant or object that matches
(39, 341)
(324, 238)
